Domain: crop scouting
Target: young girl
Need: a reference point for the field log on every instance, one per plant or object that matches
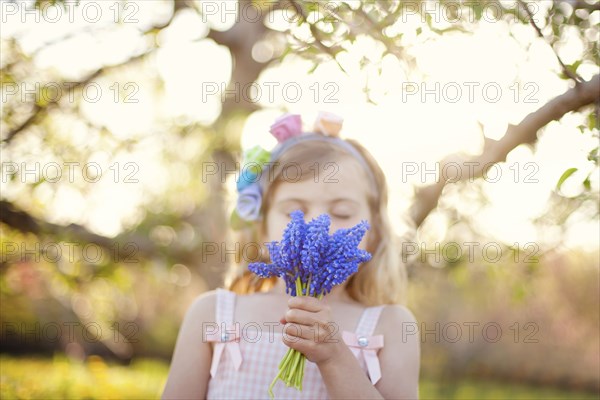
(358, 341)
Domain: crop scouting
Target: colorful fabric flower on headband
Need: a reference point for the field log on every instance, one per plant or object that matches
(255, 162)
(249, 203)
(286, 126)
(248, 185)
(257, 155)
(247, 178)
(328, 124)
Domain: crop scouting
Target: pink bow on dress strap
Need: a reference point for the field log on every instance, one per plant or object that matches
(368, 345)
(225, 339)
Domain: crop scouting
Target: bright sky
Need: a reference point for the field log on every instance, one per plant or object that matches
(403, 130)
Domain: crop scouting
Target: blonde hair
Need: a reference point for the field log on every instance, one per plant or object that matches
(382, 280)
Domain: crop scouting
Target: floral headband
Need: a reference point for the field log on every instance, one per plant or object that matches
(287, 129)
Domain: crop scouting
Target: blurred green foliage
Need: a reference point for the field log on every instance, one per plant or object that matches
(542, 321)
(63, 378)
(39, 378)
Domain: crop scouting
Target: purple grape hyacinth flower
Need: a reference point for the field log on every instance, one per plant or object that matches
(311, 262)
(310, 259)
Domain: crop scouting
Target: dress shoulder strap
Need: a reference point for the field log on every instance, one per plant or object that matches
(225, 306)
(363, 342)
(226, 336)
(368, 320)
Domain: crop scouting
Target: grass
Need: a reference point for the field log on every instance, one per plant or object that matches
(62, 378)
(488, 390)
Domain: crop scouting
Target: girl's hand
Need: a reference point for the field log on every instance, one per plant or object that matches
(309, 328)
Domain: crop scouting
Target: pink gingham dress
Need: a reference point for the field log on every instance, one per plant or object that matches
(246, 359)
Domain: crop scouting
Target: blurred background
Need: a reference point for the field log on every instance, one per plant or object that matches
(484, 116)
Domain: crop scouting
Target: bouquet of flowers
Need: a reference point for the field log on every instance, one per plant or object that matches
(311, 262)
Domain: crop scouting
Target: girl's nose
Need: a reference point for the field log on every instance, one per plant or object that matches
(308, 216)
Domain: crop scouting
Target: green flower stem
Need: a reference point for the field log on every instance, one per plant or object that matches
(288, 365)
(273, 383)
(286, 370)
(285, 359)
(299, 368)
(294, 367)
(298, 287)
(302, 364)
(291, 367)
(300, 374)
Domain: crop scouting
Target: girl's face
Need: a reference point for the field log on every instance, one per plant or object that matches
(340, 192)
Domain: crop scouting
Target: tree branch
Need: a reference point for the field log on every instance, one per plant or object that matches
(583, 94)
(317, 34)
(566, 71)
(26, 223)
(40, 111)
(240, 39)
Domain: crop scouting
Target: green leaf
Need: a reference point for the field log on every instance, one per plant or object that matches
(587, 184)
(592, 122)
(564, 177)
(593, 155)
(310, 7)
(555, 29)
(428, 19)
(286, 52)
(573, 67)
